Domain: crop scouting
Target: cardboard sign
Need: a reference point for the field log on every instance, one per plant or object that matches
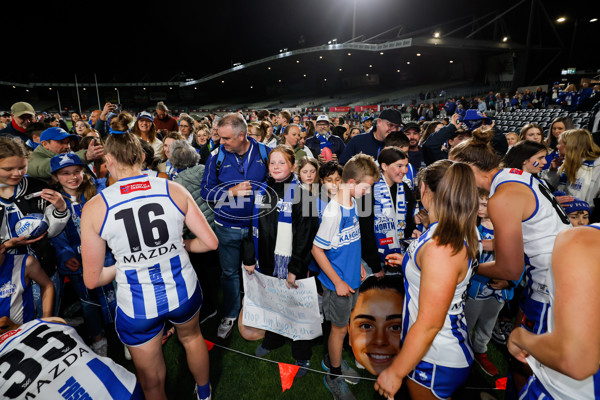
(270, 305)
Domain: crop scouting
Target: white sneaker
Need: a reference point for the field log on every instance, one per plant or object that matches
(100, 347)
(126, 353)
(225, 327)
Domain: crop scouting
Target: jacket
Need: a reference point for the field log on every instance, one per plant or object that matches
(190, 178)
(39, 163)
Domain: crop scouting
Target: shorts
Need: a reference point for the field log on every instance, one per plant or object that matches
(137, 331)
(534, 389)
(337, 309)
(535, 315)
(442, 381)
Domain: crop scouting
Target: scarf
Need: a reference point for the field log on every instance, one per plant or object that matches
(324, 141)
(284, 239)
(390, 221)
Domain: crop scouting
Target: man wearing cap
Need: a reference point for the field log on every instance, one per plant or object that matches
(164, 122)
(367, 123)
(324, 138)
(412, 130)
(5, 118)
(57, 141)
(371, 143)
(23, 115)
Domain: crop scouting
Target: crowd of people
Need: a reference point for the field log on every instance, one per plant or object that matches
(426, 239)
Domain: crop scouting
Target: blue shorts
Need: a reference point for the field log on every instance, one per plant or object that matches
(136, 331)
(535, 315)
(534, 390)
(442, 381)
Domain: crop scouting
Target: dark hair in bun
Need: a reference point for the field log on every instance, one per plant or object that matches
(477, 150)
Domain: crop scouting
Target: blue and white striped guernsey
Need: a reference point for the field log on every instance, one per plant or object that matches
(46, 360)
(143, 227)
(560, 386)
(16, 298)
(451, 346)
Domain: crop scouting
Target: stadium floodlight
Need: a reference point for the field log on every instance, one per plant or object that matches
(418, 54)
(593, 19)
(349, 54)
(436, 35)
(451, 61)
(561, 19)
(505, 39)
(381, 53)
(329, 42)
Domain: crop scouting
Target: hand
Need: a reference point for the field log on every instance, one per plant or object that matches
(321, 159)
(250, 269)
(73, 264)
(394, 259)
(363, 272)
(342, 289)
(514, 349)
(564, 199)
(7, 325)
(454, 120)
(423, 216)
(379, 274)
(416, 233)
(20, 241)
(499, 284)
(291, 281)
(54, 198)
(334, 157)
(388, 383)
(94, 152)
(241, 189)
(556, 163)
(108, 107)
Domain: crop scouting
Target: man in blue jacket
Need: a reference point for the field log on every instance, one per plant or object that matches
(232, 171)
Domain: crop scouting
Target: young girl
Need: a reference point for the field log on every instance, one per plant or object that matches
(280, 240)
(99, 304)
(526, 155)
(21, 195)
(512, 139)
(436, 355)
(307, 169)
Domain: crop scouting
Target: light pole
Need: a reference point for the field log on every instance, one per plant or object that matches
(354, 21)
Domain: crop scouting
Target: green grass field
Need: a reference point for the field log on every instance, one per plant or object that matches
(237, 376)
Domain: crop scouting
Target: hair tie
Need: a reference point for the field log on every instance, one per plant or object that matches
(113, 132)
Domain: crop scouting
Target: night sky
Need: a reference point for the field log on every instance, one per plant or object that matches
(156, 40)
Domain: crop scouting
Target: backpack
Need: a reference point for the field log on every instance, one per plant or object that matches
(262, 149)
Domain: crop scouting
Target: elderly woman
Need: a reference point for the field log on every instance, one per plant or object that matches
(185, 158)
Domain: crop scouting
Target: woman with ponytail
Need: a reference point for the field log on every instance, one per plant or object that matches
(436, 355)
(141, 219)
(526, 219)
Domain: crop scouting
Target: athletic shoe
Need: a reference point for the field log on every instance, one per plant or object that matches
(225, 327)
(127, 353)
(485, 364)
(261, 351)
(203, 398)
(350, 375)
(338, 388)
(502, 331)
(303, 364)
(100, 347)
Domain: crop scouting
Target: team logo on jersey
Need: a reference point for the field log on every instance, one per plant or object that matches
(516, 171)
(386, 241)
(7, 290)
(8, 335)
(134, 187)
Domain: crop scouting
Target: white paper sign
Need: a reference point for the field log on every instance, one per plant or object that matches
(270, 305)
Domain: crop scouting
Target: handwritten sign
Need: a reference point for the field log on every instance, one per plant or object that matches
(270, 305)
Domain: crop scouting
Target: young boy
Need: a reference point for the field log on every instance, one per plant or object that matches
(578, 212)
(337, 251)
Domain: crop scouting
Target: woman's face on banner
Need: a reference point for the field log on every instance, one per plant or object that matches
(375, 328)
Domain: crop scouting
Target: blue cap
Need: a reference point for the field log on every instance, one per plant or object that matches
(56, 133)
(555, 83)
(145, 115)
(64, 160)
(576, 205)
(365, 119)
(474, 118)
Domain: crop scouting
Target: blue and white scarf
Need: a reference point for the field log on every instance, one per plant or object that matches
(324, 141)
(390, 221)
(284, 239)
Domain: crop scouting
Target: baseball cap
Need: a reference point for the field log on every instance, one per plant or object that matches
(411, 125)
(21, 108)
(365, 119)
(64, 160)
(56, 133)
(145, 115)
(322, 118)
(391, 115)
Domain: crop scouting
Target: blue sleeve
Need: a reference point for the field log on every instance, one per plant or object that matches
(347, 153)
(211, 191)
(64, 246)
